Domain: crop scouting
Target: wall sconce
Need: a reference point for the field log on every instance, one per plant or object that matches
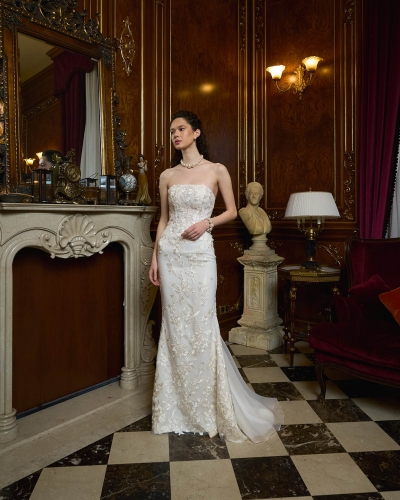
(39, 155)
(307, 207)
(29, 162)
(307, 66)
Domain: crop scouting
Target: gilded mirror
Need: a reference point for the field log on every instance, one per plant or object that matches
(35, 111)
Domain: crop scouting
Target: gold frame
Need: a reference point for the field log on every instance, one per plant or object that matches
(57, 22)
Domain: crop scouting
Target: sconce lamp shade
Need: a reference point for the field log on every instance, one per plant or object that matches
(311, 205)
(276, 71)
(311, 63)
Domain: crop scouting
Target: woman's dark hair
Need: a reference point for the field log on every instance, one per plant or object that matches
(201, 142)
(48, 154)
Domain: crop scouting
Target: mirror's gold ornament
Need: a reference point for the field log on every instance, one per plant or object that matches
(127, 46)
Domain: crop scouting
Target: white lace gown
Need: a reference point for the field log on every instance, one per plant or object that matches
(197, 385)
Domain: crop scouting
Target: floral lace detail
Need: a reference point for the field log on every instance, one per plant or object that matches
(191, 391)
(197, 385)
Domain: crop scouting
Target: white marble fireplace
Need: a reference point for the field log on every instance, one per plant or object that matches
(79, 231)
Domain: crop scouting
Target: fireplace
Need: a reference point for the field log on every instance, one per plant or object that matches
(70, 231)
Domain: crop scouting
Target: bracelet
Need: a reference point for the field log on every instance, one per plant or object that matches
(210, 225)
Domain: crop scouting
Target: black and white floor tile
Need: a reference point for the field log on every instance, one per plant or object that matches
(347, 448)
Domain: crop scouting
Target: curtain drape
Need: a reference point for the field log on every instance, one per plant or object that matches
(69, 86)
(394, 222)
(380, 90)
(91, 150)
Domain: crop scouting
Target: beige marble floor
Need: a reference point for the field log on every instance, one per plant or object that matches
(55, 432)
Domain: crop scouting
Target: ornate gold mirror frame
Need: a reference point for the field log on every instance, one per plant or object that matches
(58, 23)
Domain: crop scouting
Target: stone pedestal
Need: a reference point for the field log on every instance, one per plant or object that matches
(260, 321)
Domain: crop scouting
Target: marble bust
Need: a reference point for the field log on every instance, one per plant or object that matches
(254, 218)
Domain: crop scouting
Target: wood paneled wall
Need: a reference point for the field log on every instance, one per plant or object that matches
(41, 115)
(211, 58)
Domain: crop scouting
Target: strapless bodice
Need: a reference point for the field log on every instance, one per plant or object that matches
(189, 203)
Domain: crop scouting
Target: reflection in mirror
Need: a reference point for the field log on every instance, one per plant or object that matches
(59, 91)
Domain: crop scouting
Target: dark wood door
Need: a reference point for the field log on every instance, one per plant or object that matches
(68, 322)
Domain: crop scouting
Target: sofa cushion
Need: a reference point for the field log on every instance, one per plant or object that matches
(366, 295)
(391, 300)
(376, 343)
(347, 309)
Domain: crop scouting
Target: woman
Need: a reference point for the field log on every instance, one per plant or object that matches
(197, 387)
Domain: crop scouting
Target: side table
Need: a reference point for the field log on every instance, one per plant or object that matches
(294, 275)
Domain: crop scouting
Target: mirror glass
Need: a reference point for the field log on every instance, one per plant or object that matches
(59, 104)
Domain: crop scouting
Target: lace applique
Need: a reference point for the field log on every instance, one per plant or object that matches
(191, 390)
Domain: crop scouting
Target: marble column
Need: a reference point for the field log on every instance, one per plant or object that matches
(260, 321)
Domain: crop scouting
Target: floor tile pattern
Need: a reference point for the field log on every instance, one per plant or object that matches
(347, 448)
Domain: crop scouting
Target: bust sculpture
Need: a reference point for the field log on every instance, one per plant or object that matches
(254, 217)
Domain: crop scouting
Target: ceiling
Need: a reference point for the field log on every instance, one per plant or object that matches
(33, 56)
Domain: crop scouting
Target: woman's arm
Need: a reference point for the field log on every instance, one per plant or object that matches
(153, 271)
(225, 187)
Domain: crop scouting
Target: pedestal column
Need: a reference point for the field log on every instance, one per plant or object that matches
(260, 321)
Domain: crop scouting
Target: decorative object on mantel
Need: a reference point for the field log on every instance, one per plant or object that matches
(108, 190)
(42, 185)
(142, 197)
(15, 197)
(68, 189)
(308, 65)
(307, 207)
(127, 182)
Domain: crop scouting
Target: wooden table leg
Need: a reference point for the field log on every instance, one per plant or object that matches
(286, 313)
(292, 330)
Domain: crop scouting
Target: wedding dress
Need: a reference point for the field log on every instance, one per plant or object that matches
(197, 385)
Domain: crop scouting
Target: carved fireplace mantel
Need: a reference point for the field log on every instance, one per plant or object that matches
(76, 231)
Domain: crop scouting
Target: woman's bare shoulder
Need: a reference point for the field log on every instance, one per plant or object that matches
(167, 174)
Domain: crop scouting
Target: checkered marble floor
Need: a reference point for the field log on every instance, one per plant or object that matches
(346, 448)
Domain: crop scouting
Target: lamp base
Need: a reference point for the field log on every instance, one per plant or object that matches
(310, 264)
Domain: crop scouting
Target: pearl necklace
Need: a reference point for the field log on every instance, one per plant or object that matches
(187, 165)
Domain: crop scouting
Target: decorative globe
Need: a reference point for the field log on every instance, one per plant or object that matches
(127, 182)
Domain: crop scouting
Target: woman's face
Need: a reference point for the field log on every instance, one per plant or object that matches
(182, 134)
(45, 163)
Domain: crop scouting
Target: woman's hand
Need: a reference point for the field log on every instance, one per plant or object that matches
(153, 272)
(196, 230)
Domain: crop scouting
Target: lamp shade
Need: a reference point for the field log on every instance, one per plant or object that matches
(311, 204)
(276, 71)
(311, 63)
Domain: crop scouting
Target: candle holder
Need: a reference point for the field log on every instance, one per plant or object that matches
(108, 190)
(42, 185)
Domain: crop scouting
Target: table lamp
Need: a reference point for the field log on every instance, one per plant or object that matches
(311, 208)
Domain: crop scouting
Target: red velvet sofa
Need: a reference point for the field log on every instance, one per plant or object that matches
(364, 340)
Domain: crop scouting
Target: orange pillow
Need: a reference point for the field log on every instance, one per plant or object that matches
(391, 300)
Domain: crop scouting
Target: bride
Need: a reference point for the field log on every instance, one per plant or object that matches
(197, 385)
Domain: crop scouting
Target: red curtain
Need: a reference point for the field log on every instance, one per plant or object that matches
(380, 90)
(69, 86)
